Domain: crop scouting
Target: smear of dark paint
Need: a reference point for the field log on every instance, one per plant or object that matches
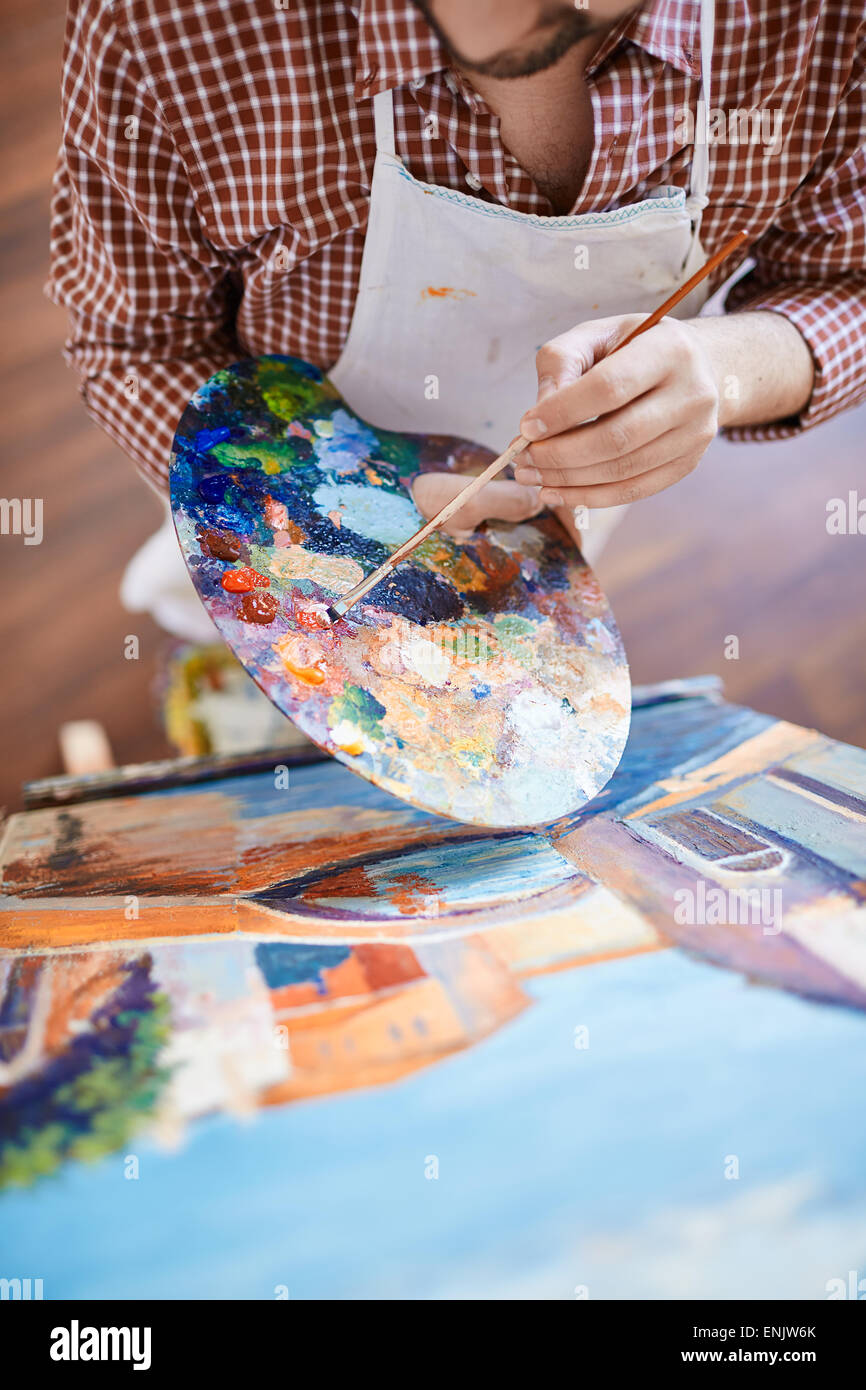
(417, 595)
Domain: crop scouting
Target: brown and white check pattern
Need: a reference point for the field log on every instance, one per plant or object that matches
(213, 182)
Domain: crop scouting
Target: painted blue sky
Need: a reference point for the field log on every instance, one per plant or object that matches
(558, 1167)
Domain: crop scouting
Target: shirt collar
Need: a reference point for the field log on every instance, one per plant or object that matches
(396, 44)
(668, 29)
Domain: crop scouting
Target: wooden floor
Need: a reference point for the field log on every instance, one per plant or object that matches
(739, 549)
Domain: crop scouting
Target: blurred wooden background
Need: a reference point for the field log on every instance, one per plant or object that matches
(739, 549)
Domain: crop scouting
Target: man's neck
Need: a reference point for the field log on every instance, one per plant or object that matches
(546, 121)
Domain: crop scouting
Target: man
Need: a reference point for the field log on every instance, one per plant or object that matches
(419, 197)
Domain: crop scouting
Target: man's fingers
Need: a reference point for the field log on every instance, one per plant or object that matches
(592, 385)
(609, 448)
(670, 444)
(632, 490)
(501, 500)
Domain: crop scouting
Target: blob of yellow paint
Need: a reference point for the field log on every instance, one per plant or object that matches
(337, 573)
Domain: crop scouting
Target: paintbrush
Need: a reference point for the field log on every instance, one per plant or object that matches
(339, 609)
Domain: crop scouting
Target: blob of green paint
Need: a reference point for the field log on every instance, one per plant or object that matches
(357, 707)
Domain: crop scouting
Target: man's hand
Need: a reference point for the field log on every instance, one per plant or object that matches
(656, 403)
(609, 429)
(615, 427)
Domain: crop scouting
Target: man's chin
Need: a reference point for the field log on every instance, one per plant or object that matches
(542, 55)
(545, 50)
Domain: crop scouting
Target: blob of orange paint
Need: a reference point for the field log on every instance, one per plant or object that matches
(243, 581)
(295, 656)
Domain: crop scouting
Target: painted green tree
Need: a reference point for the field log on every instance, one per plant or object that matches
(88, 1101)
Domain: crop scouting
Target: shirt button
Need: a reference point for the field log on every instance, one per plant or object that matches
(474, 181)
(416, 84)
(451, 83)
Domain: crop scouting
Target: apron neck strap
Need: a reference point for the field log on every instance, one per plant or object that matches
(701, 153)
(383, 115)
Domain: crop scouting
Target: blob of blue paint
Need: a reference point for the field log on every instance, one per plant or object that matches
(213, 488)
(206, 439)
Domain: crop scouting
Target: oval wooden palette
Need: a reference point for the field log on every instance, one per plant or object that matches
(483, 680)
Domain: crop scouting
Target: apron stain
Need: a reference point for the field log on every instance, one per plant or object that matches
(446, 292)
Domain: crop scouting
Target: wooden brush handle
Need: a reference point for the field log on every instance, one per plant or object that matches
(515, 447)
(693, 281)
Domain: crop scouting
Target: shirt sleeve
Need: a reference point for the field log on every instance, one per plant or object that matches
(810, 266)
(150, 301)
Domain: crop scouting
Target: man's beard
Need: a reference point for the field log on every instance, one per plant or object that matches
(573, 26)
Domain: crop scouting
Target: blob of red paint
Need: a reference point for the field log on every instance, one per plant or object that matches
(222, 545)
(259, 608)
(312, 619)
(243, 581)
